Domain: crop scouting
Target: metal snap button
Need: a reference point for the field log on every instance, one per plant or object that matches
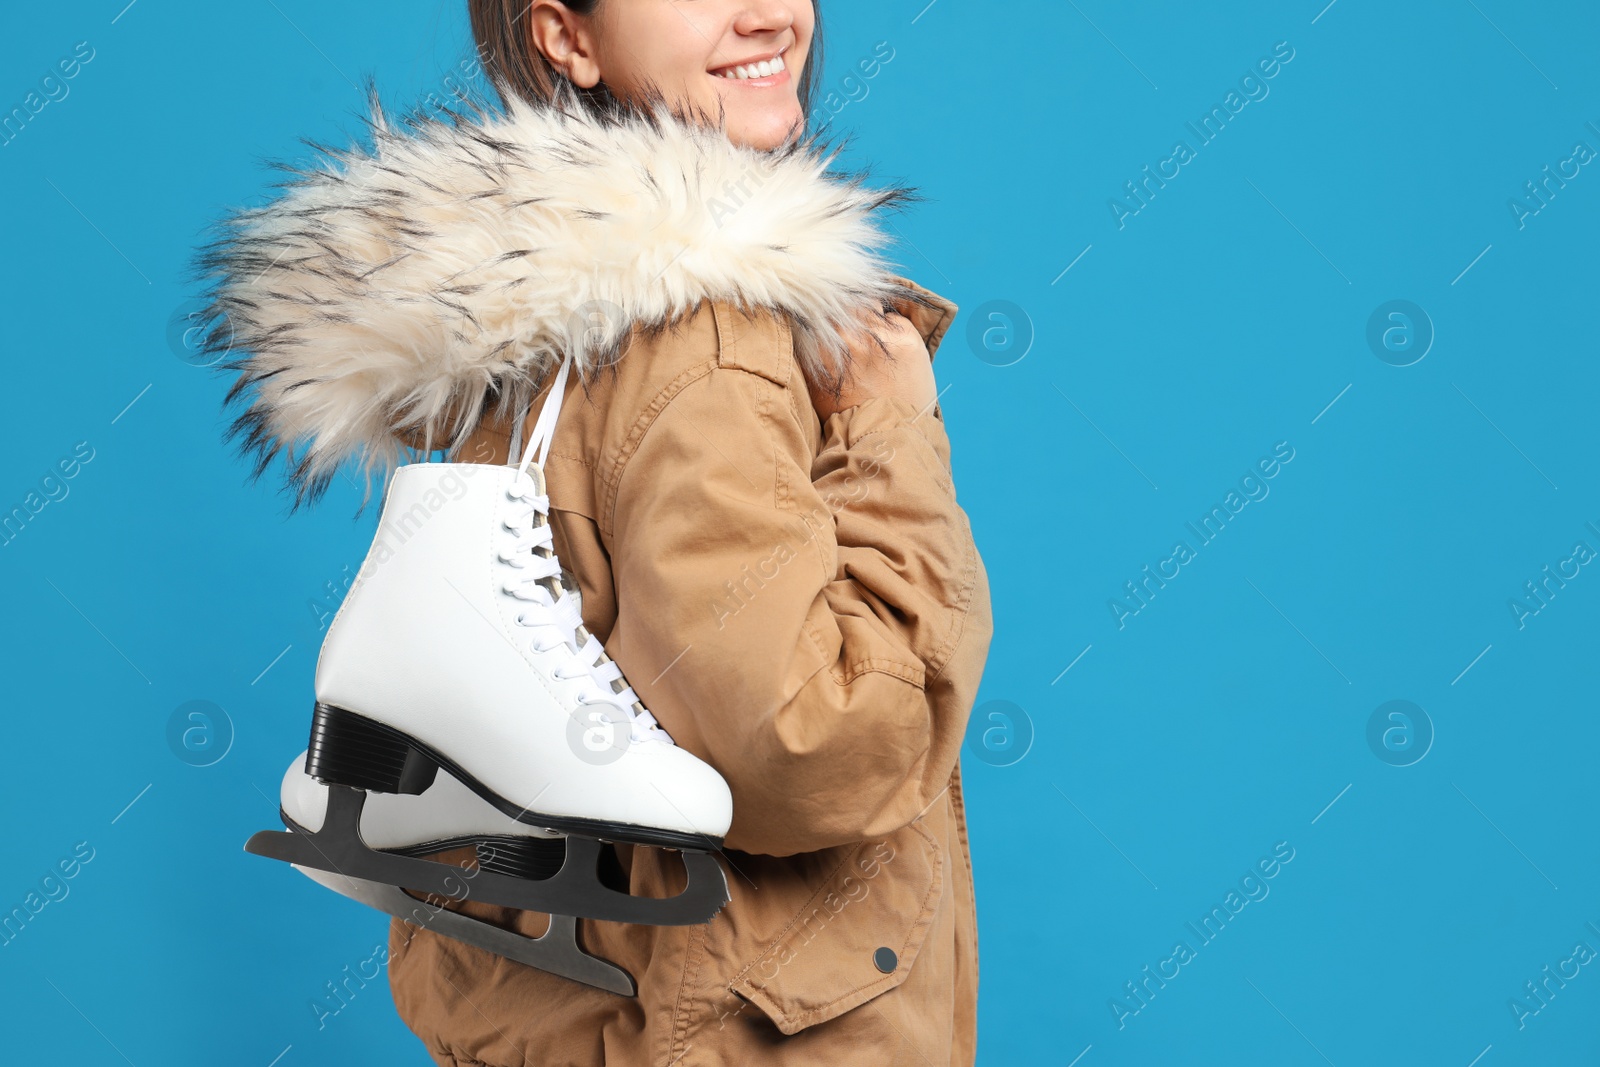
(885, 960)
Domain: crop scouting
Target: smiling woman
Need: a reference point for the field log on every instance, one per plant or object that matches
(735, 637)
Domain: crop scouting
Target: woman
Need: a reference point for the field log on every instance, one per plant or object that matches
(750, 481)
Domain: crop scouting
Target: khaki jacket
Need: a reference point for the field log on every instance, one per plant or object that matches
(801, 605)
(799, 602)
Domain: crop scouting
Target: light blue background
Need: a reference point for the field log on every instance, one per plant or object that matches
(1229, 715)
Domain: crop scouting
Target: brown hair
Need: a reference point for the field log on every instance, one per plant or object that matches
(517, 68)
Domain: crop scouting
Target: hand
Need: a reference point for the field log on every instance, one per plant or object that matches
(906, 371)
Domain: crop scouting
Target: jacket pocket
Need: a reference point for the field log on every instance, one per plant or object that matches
(857, 937)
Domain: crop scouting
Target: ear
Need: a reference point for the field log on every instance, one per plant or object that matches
(566, 39)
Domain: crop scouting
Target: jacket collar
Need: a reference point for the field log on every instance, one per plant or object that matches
(398, 290)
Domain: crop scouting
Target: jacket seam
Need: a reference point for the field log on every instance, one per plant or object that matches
(764, 416)
(915, 675)
(963, 611)
(960, 813)
(575, 457)
(816, 640)
(693, 956)
(794, 396)
(935, 336)
(783, 493)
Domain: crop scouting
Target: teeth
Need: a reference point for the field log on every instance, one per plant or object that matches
(766, 68)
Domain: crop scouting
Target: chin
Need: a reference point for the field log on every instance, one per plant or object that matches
(766, 130)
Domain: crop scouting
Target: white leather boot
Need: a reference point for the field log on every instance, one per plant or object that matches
(458, 647)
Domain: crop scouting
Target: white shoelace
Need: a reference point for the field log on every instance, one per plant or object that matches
(556, 619)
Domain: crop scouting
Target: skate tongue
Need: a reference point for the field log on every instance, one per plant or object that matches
(536, 473)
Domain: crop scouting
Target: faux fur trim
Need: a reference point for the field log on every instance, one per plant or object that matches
(402, 289)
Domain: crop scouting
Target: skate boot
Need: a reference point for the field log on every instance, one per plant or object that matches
(459, 648)
(447, 816)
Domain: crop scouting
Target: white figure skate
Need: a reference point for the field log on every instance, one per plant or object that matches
(445, 816)
(458, 647)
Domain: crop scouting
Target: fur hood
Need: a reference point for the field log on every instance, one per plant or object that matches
(406, 288)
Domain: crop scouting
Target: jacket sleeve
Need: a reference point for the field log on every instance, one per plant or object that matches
(811, 621)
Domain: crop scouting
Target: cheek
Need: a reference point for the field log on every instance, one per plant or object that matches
(653, 42)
